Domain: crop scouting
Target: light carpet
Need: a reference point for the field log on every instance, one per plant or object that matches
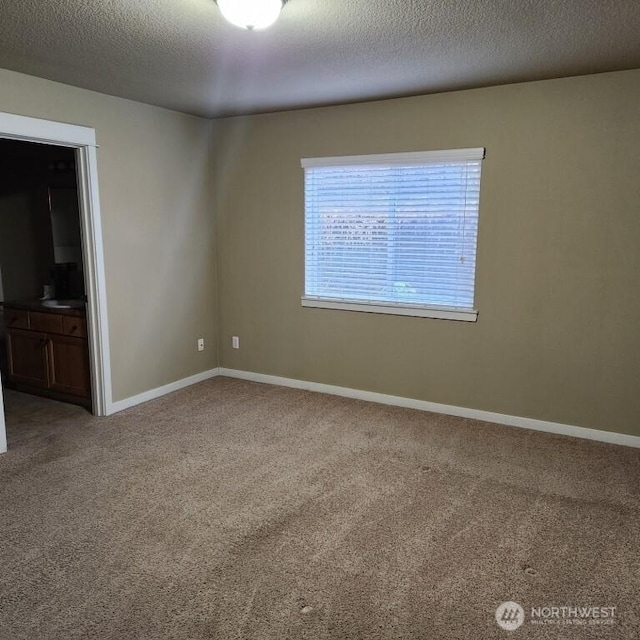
(233, 510)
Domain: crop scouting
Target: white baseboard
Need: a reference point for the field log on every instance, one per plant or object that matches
(3, 431)
(152, 394)
(476, 414)
(381, 398)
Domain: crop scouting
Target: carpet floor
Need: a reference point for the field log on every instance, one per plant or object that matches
(237, 510)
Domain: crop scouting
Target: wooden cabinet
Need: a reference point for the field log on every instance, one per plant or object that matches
(48, 354)
(16, 319)
(68, 360)
(27, 358)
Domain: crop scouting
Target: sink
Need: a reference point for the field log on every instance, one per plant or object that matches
(63, 304)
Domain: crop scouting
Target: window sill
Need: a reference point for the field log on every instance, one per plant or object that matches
(441, 313)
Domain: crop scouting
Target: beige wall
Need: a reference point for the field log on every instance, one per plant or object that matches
(558, 264)
(558, 276)
(154, 169)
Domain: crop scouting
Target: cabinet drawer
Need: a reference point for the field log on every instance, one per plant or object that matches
(74, 326)
(46, 322)
(16, 319)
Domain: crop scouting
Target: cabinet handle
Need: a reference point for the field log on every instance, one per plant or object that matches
(74, 328)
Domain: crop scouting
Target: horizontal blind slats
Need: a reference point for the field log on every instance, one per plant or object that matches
(392, 233)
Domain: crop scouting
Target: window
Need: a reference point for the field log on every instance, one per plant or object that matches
(393, 233)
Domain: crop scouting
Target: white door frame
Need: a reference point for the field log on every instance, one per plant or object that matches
(83, 140)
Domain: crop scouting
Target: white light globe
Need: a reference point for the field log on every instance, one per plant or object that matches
(251, 14)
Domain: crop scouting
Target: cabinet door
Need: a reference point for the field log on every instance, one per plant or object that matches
(69, 365)
(27, 356)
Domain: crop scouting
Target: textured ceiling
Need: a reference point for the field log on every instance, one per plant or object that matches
(181, 54)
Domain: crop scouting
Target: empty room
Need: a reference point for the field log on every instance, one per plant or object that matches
(319, 320)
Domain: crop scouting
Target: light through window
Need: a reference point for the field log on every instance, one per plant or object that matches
(393, 233)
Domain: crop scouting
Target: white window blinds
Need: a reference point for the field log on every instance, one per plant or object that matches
(395, 230)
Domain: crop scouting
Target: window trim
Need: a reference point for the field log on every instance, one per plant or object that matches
(394, 308)
(404, 159)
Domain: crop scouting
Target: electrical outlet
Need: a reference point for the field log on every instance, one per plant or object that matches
(235, 342)
(200, 344)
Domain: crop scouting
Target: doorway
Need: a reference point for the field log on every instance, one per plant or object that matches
(43, 338)
(81, 142)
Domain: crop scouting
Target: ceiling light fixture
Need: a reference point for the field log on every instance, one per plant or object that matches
(251, 14)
